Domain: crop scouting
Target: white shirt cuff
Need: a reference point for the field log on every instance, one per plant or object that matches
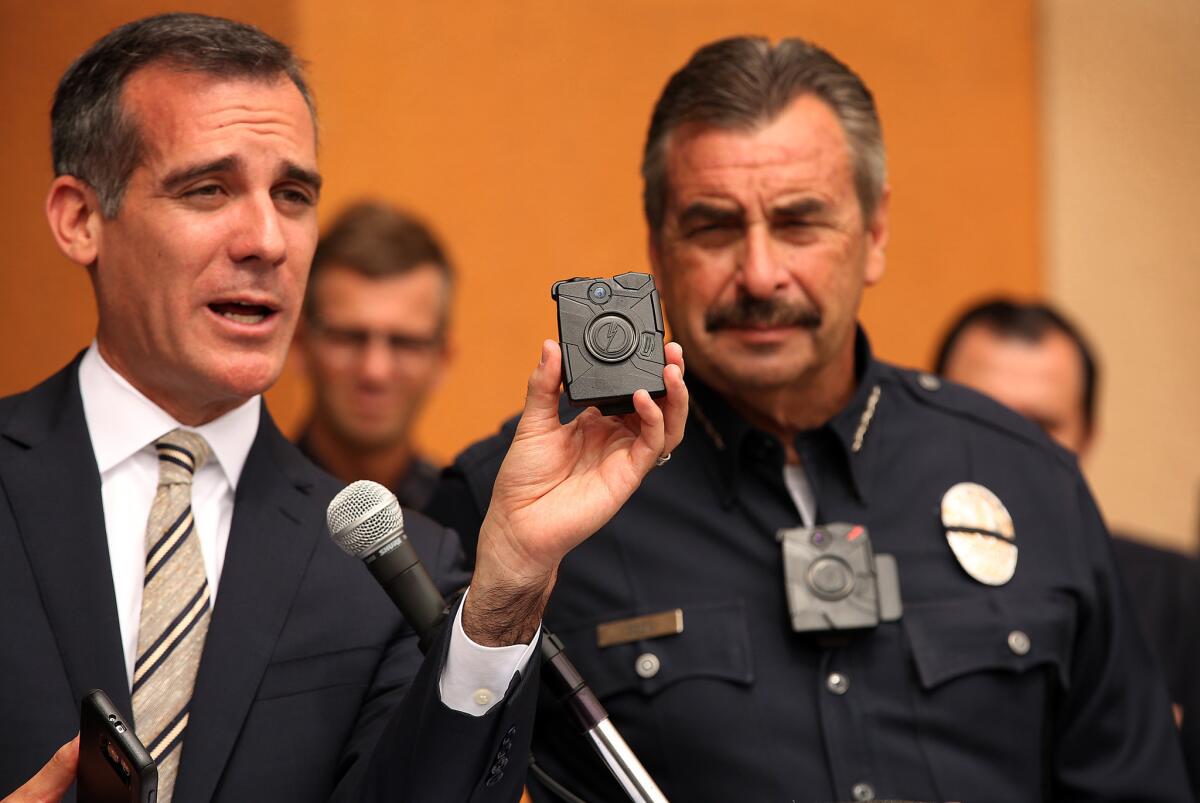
(475, 677)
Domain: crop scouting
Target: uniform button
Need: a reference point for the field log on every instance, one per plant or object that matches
(929, 381)
(483, 696)
(647, 665)
(837, 683)
(863, 791)
(1018, 642)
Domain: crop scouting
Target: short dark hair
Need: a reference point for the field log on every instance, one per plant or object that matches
(378, 240)
(1030, 321)
(95, 139)
(741, 83)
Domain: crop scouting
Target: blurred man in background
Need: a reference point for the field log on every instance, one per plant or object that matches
(1029, 357)
(373, 340)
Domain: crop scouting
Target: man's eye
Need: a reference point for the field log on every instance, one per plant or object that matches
(205, 191)
(705, 228)
(294, 196)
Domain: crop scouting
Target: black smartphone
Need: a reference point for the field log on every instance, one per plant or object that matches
(114, 766)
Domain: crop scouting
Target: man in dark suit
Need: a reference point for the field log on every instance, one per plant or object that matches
(1028, 356)
(186, 184)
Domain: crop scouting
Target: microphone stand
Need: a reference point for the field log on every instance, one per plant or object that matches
(569, 687)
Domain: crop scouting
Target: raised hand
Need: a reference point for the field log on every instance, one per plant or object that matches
(558, 484)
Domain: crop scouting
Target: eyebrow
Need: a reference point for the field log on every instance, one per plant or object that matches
(803, 207)
(305, 176)
(183, 175)
(704, 211)
(177, 178)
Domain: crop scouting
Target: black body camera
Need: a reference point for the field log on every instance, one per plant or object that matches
(611, 331)
(835, 581)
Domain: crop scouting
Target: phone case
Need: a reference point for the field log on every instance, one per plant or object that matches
(114, 766)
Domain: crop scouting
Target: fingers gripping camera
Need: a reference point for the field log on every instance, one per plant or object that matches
(611, 332)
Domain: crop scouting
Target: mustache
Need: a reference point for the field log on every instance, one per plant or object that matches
(746, 311)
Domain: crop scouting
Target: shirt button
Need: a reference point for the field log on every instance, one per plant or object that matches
(483, 696)
(647, 665)
(929, 381)
(837, 683)
(1018, 642)
(863, 791)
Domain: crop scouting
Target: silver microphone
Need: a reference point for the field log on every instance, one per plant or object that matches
(366, 522)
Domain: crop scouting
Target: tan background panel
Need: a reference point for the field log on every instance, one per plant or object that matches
(1121, 88)
(516, 129)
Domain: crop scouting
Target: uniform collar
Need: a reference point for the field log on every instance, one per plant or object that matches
(840, 448)
(122, 421)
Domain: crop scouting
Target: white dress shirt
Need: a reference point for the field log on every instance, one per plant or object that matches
(124, 424)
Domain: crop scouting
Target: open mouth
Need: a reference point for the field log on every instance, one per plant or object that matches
(239, 312)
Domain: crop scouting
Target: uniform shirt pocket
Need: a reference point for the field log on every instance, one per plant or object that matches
(714, 644)
(991, 634)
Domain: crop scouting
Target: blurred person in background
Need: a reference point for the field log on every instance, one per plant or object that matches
(373, 342)
(1030, 357)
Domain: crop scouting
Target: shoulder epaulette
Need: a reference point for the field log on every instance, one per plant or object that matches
(963, 402)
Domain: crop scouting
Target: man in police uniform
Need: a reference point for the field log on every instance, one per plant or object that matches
(1011, 674)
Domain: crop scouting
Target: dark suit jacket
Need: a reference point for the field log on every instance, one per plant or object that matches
(1165, 589)
(310, 687)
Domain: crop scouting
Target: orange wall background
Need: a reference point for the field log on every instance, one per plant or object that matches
(515, 128)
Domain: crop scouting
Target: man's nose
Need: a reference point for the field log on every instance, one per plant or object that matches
(761, 272)
(260, 235)
(377, 361)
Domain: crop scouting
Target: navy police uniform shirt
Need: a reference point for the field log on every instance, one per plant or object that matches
(1037, 689)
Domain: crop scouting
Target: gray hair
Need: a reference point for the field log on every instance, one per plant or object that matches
(94, 139)
(742, 83)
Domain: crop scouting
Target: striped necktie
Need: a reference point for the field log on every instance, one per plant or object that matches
(175, 609)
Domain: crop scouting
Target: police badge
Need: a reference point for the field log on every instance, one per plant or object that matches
(980, 532)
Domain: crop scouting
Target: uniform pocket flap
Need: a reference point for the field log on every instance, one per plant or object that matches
(952, 639)
(714, 644)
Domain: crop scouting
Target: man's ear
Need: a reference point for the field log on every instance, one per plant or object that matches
(73, 211)
(877, 238)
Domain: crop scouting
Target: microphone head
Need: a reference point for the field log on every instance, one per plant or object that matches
(363, 517)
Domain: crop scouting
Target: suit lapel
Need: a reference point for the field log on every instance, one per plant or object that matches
(271, 541)
(53, 486)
